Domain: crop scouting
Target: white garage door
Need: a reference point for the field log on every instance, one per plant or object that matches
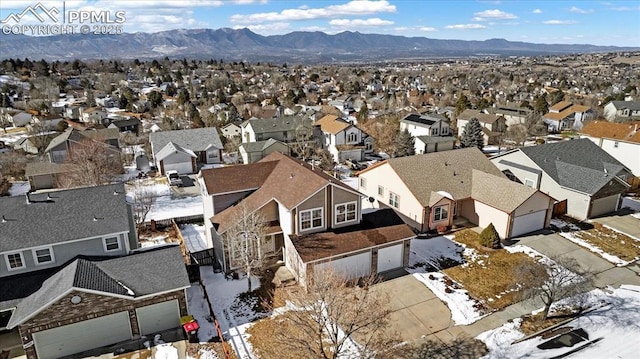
(390, 258)
(158, 317)
(89, 334)
(351, 267)
(604, 205)
(182, 167)
(528, 223)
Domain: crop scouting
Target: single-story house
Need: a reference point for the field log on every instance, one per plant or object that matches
(255, 151)
(428, 144)
(186, 150)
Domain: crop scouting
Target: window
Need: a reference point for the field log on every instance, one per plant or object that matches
(380, 191)
(529, 182)
(43, 255)
(434, 132)
(346, 212)
(111, 244)
(363, 182)
(440, 213)
(311, 219)
(394, 199)
(352, 137)
(14, 261)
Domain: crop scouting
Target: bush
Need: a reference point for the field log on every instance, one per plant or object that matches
(489, 237)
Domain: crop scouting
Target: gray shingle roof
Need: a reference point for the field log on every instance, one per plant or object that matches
(577, 164)
(72, 134)
(170, 148)
(631, 105)
(259, 146)
(426, 119)
(278, 124)
(195, 139)
(448, 171)
(61, 216)
(131, 276)
(499, 192)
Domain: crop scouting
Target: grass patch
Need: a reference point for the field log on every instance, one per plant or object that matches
(610, 241)
(261, 338)
(488, 275)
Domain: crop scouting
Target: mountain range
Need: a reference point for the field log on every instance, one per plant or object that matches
(245, 45)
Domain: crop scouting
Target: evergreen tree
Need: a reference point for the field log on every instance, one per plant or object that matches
(472, 134)
(489, 237)
(404, 144)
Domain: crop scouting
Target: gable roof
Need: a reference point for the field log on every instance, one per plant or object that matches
(278, 177)
(577, 164)
(332, 124)
(449, 171)
(132, 276)
(481, 116)
(435, 139)
(172, 148)
(194, 139)
(61, 216)
(279, 124)
(498, 192)
(424, 120)
(260, 146)
(617, 131)
(560, 106)
(631, 105)
(73, 134)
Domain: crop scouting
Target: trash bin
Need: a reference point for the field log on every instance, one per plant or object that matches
(190, 327)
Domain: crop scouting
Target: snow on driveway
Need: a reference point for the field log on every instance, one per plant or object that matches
(194, 237)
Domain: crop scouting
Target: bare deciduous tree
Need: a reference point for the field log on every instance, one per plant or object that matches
(303, 144)
(335, 319)
(92, 163)
(246, 242)
(562, 280)
(517, 133)
(143, 200)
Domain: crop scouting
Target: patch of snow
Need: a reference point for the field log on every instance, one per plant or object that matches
(432, 251)
(616, 327)
(166, 351)
(129, 291)
(165, 207)
(633, 204)
(350, 181)
(617, 231)
(636, 215)
(560, 224)
(460, 304)
(207, 354)
(194, 237)
(609, 257)
(19, 188)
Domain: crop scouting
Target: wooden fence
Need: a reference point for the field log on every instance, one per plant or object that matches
(560, 208)
(225, 348)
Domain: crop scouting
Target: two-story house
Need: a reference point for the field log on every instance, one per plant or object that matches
(186, 151)
(431, 131)
(493, 126)
(567, 116)
(285, 129)
(60, 146)
(621, 111)
(94, 115)
(343, 139)
(620, 140)
(313, 221)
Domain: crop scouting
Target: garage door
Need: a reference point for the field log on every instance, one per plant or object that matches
(604, 205)
(158, 317)
(182, 167)
(528, 223)
(351, 267)
(89, 334)
(390, 258)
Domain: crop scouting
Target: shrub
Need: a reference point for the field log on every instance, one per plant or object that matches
(489, 237)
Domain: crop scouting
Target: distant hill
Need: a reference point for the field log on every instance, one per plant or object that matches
(243, 44)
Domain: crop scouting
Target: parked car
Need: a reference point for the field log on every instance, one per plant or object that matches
(174, 178)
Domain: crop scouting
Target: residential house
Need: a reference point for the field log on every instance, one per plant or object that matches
(431, 132)
(313, 221)
(620, 140)
(26, 144)
(129, 125)
(59, 147)
(92, 302)
(567, 116)
(343, 139)
(493, 126)
(46, 175)
(230, 130)
(578, 171)
(435, 191)
(20, 119)
(252, 152)
(621, 111)
(285, 129)
(186, 150)
(94, 115)
(428, 144)
(513, 115)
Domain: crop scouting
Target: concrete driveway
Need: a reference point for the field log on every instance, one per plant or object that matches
(624, 223)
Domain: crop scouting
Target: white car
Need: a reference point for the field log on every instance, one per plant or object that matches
(174, 178)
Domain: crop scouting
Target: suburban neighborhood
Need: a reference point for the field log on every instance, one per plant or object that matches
(450, 207)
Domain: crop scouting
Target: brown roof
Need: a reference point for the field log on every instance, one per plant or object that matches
(560, 106)
(376, 228)
(332, 124)
(236, 178)
(499, 192)
(481, 116)
(619, 131)
(46, 168)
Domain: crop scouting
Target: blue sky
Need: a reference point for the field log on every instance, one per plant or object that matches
(550, 21)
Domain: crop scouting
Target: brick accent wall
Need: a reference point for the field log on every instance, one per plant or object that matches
(63, 312)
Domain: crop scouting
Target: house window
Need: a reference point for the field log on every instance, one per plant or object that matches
(43, 255)
(529, 182)
(445, 131)
(363, 183)
(394, 199)
(352, 137)
(368, 146)
(440, 213)
(615, 144)
(380, 191)
(311, 219)
(346, 212)
(434, 132)
(15, 261)
(111, 244)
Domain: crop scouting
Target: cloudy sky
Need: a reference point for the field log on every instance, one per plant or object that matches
(547, 21)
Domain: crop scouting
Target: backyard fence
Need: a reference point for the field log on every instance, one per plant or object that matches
(227, 354)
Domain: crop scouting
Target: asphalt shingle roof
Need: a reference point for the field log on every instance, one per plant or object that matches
(631, 105)
(577, 164)
(72, 134)
(61, 216)
(427, 119)
(279, 124)
(134, 276)
(481, 116)
(499, 192)
(170, 148)
(258, 146)
(195, 139)
(435, 139)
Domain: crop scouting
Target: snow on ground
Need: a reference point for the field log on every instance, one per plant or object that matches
(165, 208)
(433, 252)
(633, 204)
(19, 188)
(350, 181)
(563, 225)
(166, 351)
(222, 294)
(609, 257)
(460, 304)
(194, 237)
(613, 331)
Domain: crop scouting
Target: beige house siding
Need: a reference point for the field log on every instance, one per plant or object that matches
(224, 201)
(317, 200)
(488, 214)
(270, 211)
(433, 224)
(294, 263)
(467, 210)
(341, 196)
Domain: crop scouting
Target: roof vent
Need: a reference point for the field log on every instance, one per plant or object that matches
(115, 193)
(49, 198)
(291, 176)
(4, 220)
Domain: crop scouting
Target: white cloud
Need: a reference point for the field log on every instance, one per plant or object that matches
(415, 29)
(494, 14)
(465, 27)
(363, 7)
(537, 11)
(427, 29)
(559, 22)
(578, 10)
(347, 23)
(625, 8)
